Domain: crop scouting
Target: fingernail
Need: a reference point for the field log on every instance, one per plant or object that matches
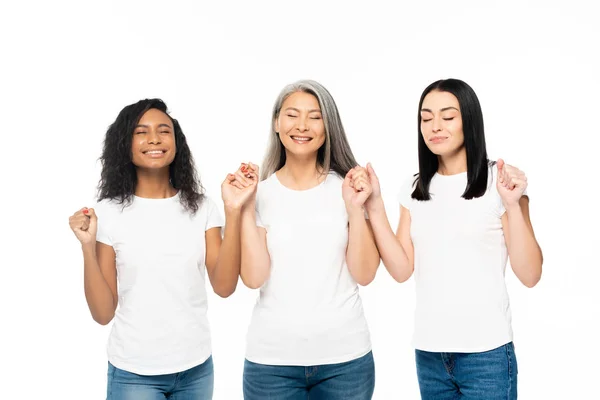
(86, 211)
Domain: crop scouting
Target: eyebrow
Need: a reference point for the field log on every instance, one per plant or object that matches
(295, 109)
(442, 110)
(160, 126)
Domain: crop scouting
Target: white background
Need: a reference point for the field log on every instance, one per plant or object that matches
(68, 67)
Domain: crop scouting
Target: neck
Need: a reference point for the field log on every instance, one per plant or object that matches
(453, 164)
(300, 173)
(153, 184)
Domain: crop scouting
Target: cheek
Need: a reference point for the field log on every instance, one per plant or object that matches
(284, 126)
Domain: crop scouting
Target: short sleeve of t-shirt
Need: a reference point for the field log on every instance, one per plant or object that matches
(404, 196)
(103, 213)
(214, 219)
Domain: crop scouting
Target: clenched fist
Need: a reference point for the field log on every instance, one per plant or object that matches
(84, 224)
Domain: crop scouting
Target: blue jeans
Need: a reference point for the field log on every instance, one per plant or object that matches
(194, 384)
(489, 375)
(352, 380)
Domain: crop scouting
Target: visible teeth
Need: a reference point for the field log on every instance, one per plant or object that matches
(154, 152)
(305, 139)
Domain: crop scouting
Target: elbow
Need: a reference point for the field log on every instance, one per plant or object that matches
(400, 273)
(402, 278)
(530, 282)
(365, 280)
(224, 291)
(103, 319)
(366, 276)
(252, 282)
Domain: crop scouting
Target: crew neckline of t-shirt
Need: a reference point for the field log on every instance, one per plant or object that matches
(276, 179)
(453, 176)
(165, 200)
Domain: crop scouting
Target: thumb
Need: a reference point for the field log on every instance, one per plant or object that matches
(500, 164)
(91, 213)
(371, 171)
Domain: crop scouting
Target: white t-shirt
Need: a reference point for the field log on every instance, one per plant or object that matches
(460, 260)
(309, 311)
(160, 324)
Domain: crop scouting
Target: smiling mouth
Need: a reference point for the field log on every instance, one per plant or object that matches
(154, 152)
(301, 139)
(438, 139)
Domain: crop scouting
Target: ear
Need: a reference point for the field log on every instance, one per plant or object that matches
(276, 124)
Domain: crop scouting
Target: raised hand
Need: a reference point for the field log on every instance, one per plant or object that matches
(356, 188)
(511, 183)
(84, 224)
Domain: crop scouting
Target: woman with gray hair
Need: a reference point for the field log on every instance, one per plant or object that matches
(307, 245)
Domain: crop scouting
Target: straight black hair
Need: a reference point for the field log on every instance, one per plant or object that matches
(472, 121)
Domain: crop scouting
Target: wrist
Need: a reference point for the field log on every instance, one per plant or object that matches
(232, 211)
(512, 207)
(89, 247)
(354, 210)
(374, 205)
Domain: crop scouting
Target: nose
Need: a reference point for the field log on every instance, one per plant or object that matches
(153, 137)
(437, 125)
(302, 126)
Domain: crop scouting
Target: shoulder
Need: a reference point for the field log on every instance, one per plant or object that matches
(108, 208)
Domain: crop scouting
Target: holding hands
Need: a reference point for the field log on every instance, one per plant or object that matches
(239, 189)
(360, 187)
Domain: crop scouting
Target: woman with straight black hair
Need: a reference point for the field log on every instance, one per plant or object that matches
(461, 217)
(155, 233)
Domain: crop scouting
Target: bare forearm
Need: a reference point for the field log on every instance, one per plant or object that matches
(97, 292)
(227, 269)
(392, 253)
(362, 256)
(255, 260)
(525, 253)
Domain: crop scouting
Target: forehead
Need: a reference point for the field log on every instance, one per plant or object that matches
(436, 100)
(301, 100)
(155, 117)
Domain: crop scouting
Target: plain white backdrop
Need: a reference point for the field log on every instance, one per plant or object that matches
(68, 67)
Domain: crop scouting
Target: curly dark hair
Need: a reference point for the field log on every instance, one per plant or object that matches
(118, 178)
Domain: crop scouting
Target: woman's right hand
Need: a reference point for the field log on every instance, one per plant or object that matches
(84, 224)
(239, 189)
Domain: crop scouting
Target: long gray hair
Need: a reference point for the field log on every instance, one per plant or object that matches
(335, 154)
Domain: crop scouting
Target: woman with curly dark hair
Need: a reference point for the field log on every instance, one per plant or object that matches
(155, 233)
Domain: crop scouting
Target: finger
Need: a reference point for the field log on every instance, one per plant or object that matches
(253, 167)
(91, 214)
(361, 173)
(239, 176)
(362, 185)
(237, 185)
(516, 182)
(371, 171)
